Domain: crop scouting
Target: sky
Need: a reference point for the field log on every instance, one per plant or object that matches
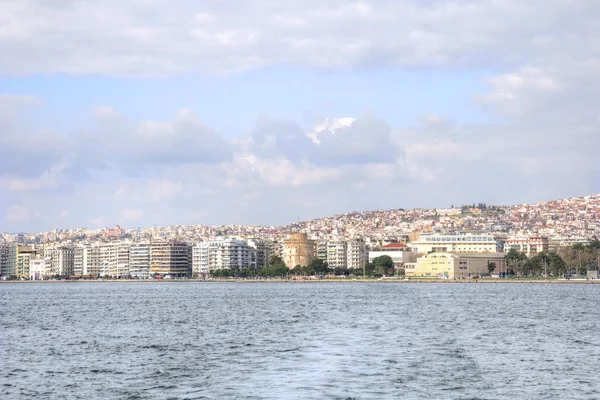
(154, 112)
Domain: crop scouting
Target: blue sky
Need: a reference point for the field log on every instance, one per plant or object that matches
(159, 113)
(232, 103)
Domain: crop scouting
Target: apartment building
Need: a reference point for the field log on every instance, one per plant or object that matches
(530, 245)
(356, 253)
(88, 260)
(139, 260)
(321, 249)
(24, 256)
(337, 254)
(8, 259)
(223, 253)
(170, 258)
(263, 250)
(59, 261)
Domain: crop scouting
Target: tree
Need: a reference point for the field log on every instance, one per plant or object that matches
(383, 264)
(275, 260)
(491, 266)
(515, 262)
(319, 266)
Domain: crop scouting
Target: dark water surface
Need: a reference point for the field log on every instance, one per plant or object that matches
(299, 341)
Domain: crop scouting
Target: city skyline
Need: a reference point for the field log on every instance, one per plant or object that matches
(574, 218)
(267, 112)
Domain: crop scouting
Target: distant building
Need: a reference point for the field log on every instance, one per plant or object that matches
(468, 243)
(337, 254)
(115, 233)
(357, 255)
(529, 246)
(139, 260)
(456, 265)
(88, 259)
(263, 249)
(321, 249)
(298, 250)
(8, 259)
(223, 254)
(24, 255)
(170, 258)
(398, 252)
(59, 261)
(37, 269)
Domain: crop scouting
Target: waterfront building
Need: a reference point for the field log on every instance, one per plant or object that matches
(337, 254)
(298, 250)
(467, 243)
(8, 259)
(24, 255)
(139, 260)
(529, 246)
(37, 269)
(170, 258)
(79, 259)
(456, 265)
(357, 254)
(109, 259)
(88, 259)
(262, 252)
(277, 249)
(122, 262)
(59, 261)
(223, 254)
(321, 249)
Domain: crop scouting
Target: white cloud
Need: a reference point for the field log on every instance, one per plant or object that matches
(231, 36)
(106, 113)
(99, 221)
(132, 214)
(544, 89)
(17, 214)
(64, 213)
(49, 179)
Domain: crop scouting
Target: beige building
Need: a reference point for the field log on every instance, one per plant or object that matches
(456, 266)
(298, 250)
(530, 246)
(170, 258)
(24, 255)
(468, 243)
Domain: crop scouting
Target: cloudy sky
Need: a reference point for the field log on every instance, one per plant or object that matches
(159, 112)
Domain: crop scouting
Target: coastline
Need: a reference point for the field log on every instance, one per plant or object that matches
(383, 281)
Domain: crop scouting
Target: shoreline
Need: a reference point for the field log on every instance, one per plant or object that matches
(416, 280)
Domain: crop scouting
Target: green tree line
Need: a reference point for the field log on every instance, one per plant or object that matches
(567, 261)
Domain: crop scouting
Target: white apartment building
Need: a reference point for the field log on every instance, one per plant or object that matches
(337, 254)
(528, 245)
(356, 253)
(219, 254)
(59, 261)
(139, 260)
(468, 243)
(88, 259)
